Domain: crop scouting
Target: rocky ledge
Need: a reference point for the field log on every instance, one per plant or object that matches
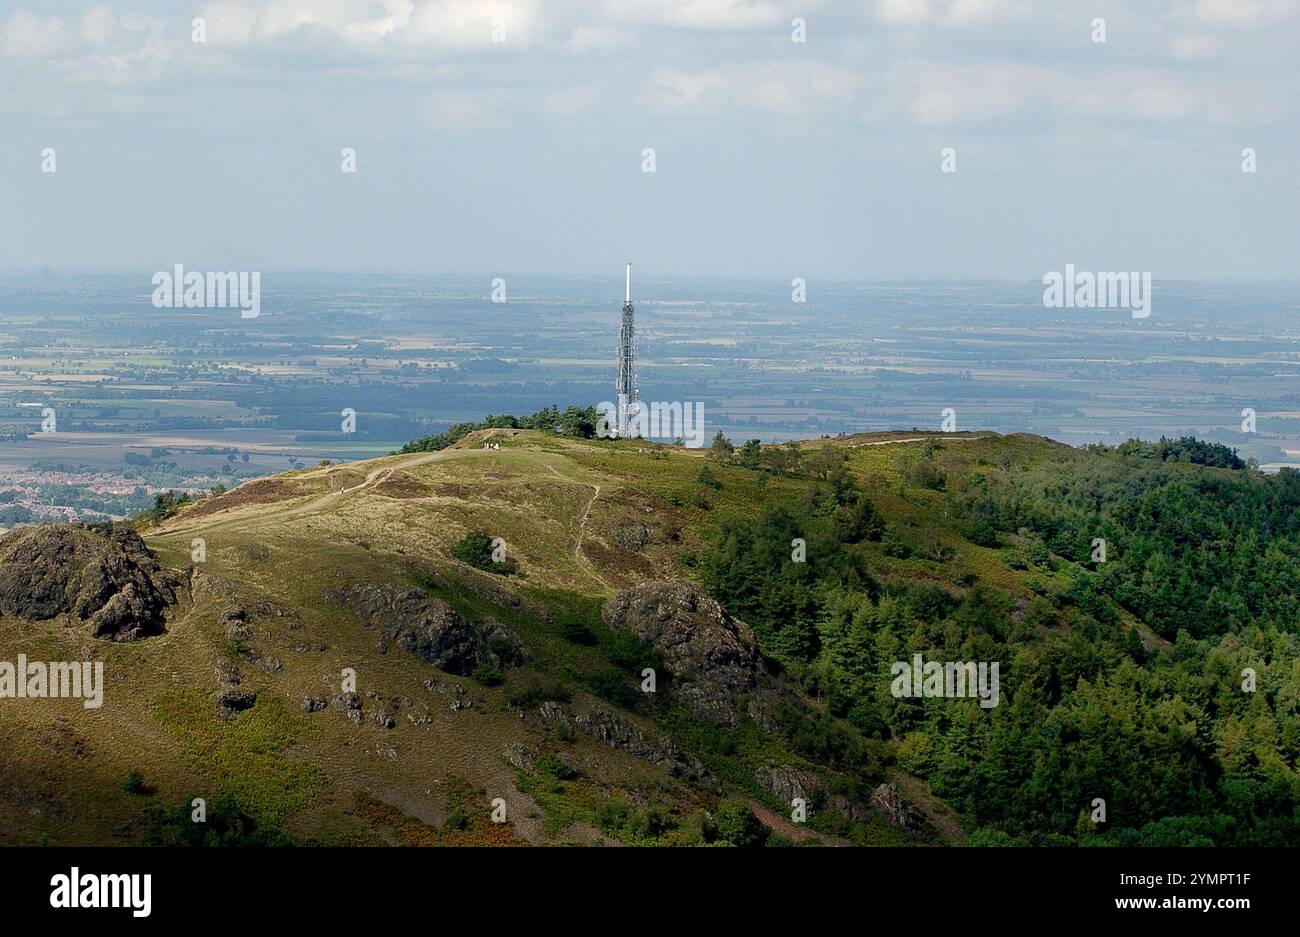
(432, 630)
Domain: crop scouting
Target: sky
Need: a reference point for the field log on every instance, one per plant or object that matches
(509, 136)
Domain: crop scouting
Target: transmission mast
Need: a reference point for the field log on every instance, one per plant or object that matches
(627, 402)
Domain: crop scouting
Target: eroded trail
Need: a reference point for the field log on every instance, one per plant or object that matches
(578, 555)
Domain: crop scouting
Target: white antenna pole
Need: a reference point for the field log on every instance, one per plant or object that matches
(627, 298)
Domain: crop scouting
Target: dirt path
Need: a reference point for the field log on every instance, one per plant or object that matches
(892, 442)
(582, 528)
(791, 830)
(289, 508)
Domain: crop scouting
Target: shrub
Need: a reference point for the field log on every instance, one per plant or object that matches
(629, 652)
(134, 783)
(554, 767)
(475, 549)
(737, 825)
(535, 692)
(573, 629)
(611, 684)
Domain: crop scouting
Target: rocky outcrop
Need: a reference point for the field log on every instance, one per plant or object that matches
(432, 630)
(887, 802)
(787, 783)
(101, 573)
(621, 733)
(711, 657)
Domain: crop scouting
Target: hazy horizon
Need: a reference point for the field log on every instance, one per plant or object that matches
(790, 139)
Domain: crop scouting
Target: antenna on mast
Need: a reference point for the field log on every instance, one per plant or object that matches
(628, 408)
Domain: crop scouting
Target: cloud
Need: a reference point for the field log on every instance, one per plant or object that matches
(788, 88)
(1194, 48)
(937, 94)
(97, 26)
(911, 14)
(444, 24)
(597, 39)
(26, 35)
(712, 15)
(1244, 13)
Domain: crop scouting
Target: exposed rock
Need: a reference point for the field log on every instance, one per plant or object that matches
(348, 704)
(314, 704)
(504, 645)
(632, 536)
(711, 657)
(613, 729)
(786, 783)
(432, 630)
(521, 756)
(555, 716)
(100, 572)
(461, 700)
(228, 671)
(887, 802)
(232, 702)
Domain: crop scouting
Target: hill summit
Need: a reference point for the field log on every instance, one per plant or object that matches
(516, 636)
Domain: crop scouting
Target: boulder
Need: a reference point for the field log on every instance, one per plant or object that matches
(102, 573)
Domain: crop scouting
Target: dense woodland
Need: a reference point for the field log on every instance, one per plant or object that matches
(1120, 680)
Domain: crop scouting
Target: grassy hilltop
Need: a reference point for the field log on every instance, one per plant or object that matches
(521, 680)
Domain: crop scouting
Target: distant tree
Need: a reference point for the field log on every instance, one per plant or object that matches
(749, 454)
(722, 450)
